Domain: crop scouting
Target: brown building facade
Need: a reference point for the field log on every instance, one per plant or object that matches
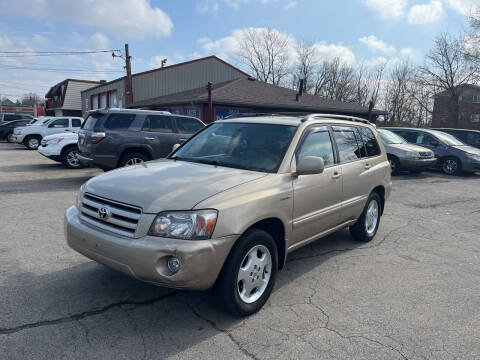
(469, 109)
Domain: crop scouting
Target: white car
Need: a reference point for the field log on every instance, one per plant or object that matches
(31, 136)
(62, 148)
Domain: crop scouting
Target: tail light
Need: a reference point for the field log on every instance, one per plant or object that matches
(95, 138)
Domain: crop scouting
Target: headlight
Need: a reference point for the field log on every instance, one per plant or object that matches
(78, 202)
(473, 156)
(191, 225)
(18, 132)
(412, 155)
(54, 141)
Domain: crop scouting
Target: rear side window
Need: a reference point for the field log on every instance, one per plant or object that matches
(91, 121)
(349, 148)
(473, 139)
(373, 149)
(158, 123)
(410, 136)
(188, 125)
(8, 117)
(120, 122)
(76, 123)
(60, 123)
(318, 143)
(427, 139)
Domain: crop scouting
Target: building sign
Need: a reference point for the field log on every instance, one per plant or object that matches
(222, 113)
(191, 111)
(176, 111)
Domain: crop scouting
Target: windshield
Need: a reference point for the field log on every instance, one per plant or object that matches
(256, 147)
(389, 137)
(448, 139)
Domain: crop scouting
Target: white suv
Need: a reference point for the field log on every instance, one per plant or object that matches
(61, 147)
(31, 136)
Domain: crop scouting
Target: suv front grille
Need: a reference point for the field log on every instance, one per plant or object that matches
(109, 215)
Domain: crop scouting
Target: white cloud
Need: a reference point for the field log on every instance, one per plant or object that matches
(237, 3)
(128, 18)
(463, 6)
(406, 52)
(324, 51)
(426, 13)
(388, 8)
(377, 45)
(291, 4)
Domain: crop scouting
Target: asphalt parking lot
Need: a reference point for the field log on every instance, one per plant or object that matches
(412, 293)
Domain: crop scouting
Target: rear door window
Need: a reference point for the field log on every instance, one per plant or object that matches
(371, 144)
(187, 125)
(410, 136)
(10, 117)
(119, 122)
(158, 123)
(349, 148)
(473, 139)
(76, 123)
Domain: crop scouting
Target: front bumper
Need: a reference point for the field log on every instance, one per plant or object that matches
(146, 258)
(471, 166)
(102, 161)
(418, 164)
(50, 151)
(18, 138)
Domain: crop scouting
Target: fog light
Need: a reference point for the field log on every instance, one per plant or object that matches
(173, 264)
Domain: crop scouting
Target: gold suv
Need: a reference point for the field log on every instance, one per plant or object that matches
(227, 206)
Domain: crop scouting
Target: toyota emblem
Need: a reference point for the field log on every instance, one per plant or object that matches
(104, 213)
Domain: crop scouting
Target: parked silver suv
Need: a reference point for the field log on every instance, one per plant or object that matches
(228, 205)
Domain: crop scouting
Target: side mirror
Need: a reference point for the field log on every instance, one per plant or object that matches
(175, 147)
(309, 165)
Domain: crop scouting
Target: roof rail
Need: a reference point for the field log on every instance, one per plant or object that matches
(336, 116)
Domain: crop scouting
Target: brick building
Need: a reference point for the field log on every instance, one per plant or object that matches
(468, 104)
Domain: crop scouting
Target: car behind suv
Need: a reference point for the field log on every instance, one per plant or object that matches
(469, 137)
(31, 136)
(113, 138)
(229, 205)
(453, 155)
(405, 156)
(6, 129)
(7, 117)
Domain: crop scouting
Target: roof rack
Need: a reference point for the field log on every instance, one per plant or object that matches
(336, 116)
(241, 115)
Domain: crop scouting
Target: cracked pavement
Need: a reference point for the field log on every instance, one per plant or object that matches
(412, 293)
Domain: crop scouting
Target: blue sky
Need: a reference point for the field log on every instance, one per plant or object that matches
(180, 30)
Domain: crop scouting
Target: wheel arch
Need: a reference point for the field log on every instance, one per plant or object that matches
(138, 149)
(380, 190)
(66, 147)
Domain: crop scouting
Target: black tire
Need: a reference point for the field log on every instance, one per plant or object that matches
(395, 165)
(228, 285)
(68, 158)
(359, 230)
(451, 166)
(32, 142)
(131, 156)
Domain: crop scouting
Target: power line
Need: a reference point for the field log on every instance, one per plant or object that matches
(24, 83)
(61, 70)
(52, 53)
(13, 87)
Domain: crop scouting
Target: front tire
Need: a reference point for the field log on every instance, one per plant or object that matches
(132, 158)
(366, 227)
(70, 158)
(394, 164)
(451, 166)
(32, 142)
(249, 273)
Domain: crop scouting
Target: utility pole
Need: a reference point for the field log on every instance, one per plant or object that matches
(128, 85)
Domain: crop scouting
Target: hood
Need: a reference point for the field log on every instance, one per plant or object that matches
(167, 184)
(409, 147)
(63, 135)
(469, 149)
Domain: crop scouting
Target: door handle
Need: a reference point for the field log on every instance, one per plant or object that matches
(336, 175)
(183, 139)
(149, 138)
(367, 166)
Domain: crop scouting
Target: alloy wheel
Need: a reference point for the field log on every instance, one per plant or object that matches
(254, 274)
(72, 159)
(33, 143)
(134, 161)
(450, 166)
(371, 218)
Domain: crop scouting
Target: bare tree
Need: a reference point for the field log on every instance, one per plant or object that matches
(266, 54)
(446, 68)
(368, 84)
(471, 43)
(305, 67)
(31, 99)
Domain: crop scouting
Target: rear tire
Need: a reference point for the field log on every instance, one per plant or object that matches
(365, 229)
(70, 158)
(451, 166)
(248, 275)
(394, 164)
(132, 158)
(32, 142)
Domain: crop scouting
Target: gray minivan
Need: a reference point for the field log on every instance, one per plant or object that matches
(453, 155)
(111, 138)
